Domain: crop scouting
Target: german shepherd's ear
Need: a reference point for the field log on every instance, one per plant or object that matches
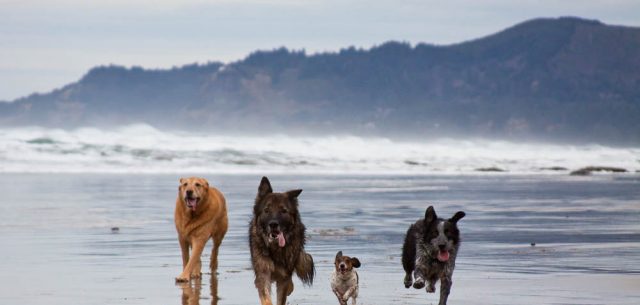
(338, 255)
(355, 262)
(457, 217)
(293, 194)
(430, 215)
(264, 188)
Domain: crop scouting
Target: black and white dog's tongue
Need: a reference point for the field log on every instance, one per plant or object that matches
(443, 255)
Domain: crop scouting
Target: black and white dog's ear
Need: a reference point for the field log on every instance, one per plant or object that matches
(459, 215)
(265, 187)
(293, 194)
(338, 255)
(430, 215)
(355, 262)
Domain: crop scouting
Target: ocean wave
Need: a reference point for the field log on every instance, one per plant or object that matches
(143, 149)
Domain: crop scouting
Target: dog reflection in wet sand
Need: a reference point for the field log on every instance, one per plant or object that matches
(191, 291)
(344, 279)
(200, 215)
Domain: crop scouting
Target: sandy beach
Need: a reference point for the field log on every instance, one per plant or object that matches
(58, 246)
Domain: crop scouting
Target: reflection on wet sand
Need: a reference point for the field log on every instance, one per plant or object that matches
(191, 291)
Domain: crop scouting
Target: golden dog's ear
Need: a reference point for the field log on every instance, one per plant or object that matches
(181, 180)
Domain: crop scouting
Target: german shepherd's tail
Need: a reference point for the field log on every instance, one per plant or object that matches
(305, 269)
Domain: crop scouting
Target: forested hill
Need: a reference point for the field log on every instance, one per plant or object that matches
(565, 79)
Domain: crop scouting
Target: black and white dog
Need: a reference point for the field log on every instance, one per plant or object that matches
(429, 251)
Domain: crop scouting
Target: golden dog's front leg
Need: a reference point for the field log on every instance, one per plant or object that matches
(184, 247)
(192, 270)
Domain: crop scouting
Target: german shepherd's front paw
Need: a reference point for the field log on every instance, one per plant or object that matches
(408, 280)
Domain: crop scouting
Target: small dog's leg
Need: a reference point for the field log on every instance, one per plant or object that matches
(339, 296)
(284, 289)
(445, 288)
(351, 293)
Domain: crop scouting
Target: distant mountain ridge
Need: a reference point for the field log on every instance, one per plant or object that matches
(559, 79)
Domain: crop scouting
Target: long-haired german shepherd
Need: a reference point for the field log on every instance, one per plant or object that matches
(276, 240)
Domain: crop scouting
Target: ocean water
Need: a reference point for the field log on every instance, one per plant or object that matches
(143, 149)
(58, 246)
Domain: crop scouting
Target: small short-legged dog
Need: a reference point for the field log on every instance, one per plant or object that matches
(344, 279)
(200, 215)
(429, 251)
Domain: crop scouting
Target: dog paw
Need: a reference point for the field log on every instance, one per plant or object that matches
(418, 284)
(431, 288)
(196, 275)
(408, 281)
(181, 279)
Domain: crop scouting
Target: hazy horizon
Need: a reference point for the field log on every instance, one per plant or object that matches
(46, 46)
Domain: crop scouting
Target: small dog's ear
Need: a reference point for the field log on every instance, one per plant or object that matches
(338, 255)
(265, 187)
(457, 217)
(430, 215)
(206, 183)
(355, 262)
(293, 194)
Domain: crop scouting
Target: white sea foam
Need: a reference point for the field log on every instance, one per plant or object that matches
(143, 149)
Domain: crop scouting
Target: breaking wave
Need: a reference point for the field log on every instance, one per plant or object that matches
(143, 149)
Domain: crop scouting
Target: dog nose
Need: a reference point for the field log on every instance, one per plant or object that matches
(273, 224)
(342, 266)
(189, 192)
(442, 247)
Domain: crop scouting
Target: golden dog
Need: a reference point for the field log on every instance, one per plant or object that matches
(201, 213)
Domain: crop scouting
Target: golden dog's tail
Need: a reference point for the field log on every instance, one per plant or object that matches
(305, 268)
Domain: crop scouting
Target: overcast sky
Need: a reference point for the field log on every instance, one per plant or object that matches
(45, 44)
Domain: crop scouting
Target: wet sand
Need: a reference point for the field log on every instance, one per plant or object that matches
(58, 246)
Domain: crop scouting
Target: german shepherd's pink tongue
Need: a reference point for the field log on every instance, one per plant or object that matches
(443, 256)
(281, 241)
(192, 203)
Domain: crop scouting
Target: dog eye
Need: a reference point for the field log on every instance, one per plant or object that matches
(198, 185)
(285, 211)
(184, 184)
(266, 210)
